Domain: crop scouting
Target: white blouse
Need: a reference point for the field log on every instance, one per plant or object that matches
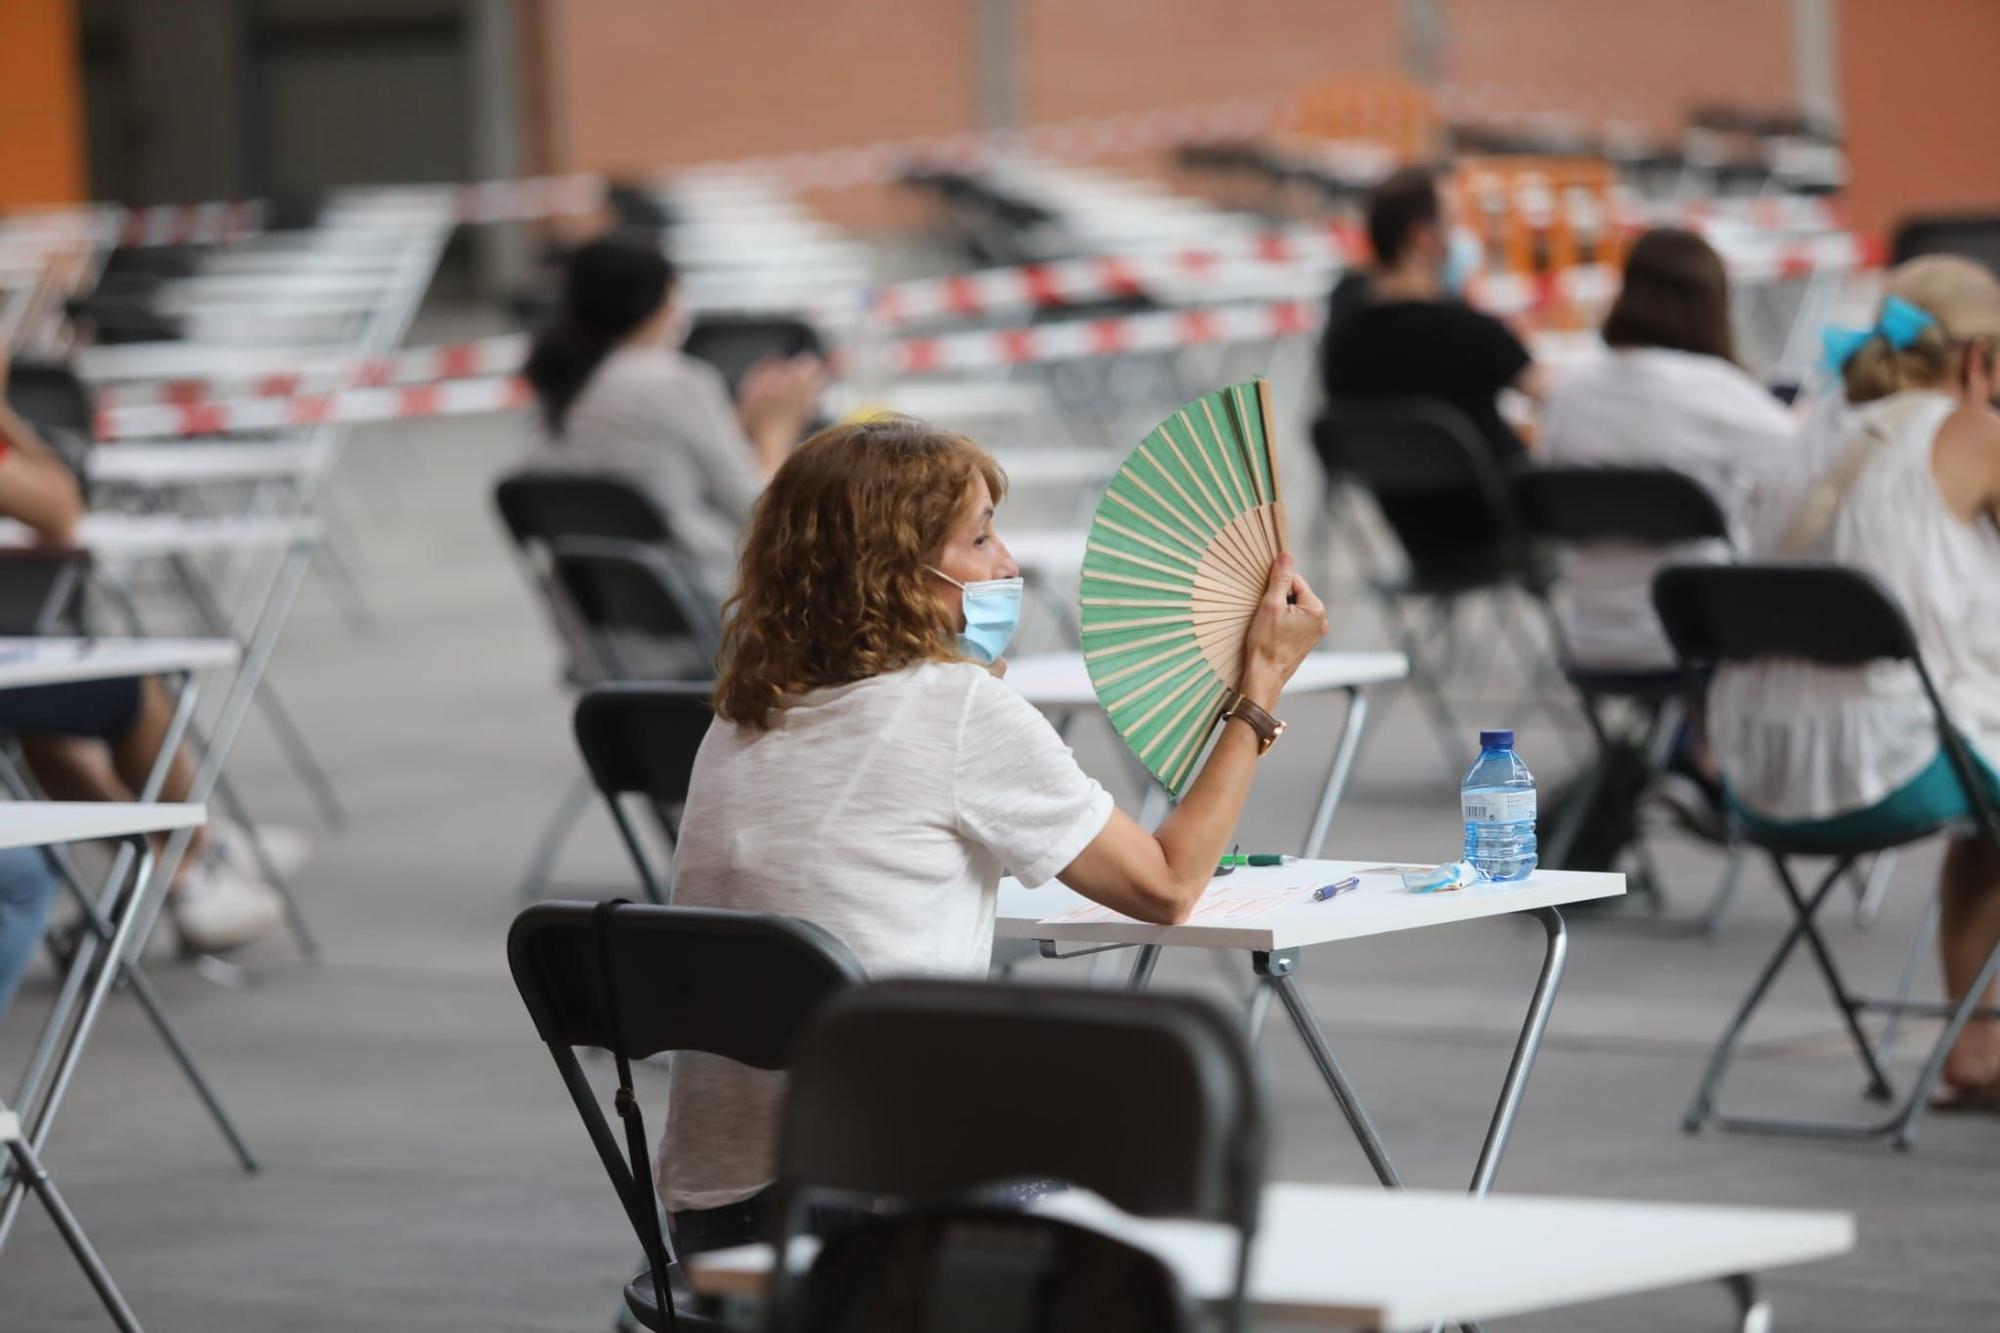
(1799, 742)
(1654, 407)
(885, 811)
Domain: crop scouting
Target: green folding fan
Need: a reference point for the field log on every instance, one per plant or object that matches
(1179, 556)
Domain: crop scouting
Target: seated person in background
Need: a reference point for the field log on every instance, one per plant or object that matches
(1414, 336)
(617, 394)
(1898, 476)
(870, 771)
(98, 740)
(1669, 395)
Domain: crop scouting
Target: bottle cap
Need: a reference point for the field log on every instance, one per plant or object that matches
(1500, 738)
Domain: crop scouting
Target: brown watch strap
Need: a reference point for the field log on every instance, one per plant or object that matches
(1268, 728)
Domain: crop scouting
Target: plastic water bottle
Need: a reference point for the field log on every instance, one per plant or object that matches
(1497, 799)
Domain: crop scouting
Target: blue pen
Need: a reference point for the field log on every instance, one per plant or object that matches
(1326, 891)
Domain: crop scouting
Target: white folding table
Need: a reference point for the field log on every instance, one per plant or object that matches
(41, 824)
(172, 466)
(29, 662)
(1274, 920)
(1059, 684)
(1342, 1257)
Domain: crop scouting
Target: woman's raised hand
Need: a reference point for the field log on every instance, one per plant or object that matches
(1288, 623)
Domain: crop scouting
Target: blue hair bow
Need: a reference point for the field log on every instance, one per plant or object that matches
(1900, 324)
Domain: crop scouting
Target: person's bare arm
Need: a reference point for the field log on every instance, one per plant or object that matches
(1533, 382)
(774, 401)
(1158, 876)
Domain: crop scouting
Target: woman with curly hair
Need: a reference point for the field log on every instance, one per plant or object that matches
(870, 771)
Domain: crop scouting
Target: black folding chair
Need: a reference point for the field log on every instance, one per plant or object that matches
(639, 980)
(914, 1093)
(1830, 616)
(1445, 499)
(542, 508)
(40, 590)
(639, 613)
(639, 740)
(1569, 511)
(733, 343)
(1971, 235)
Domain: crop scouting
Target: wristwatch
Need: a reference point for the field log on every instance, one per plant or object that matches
(1268, 728)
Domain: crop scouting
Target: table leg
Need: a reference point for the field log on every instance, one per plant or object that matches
(1344, 751)
(1530, 1042)
(1143, 965)
(35, 1128)
(36, 1178)
(1276, 968)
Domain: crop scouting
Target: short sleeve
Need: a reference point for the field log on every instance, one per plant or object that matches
(1017, 790)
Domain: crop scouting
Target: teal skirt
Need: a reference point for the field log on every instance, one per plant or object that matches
(1932, 799)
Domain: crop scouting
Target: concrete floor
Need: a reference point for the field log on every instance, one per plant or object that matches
(424, 1169)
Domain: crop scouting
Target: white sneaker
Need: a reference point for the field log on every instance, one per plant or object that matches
(288, 848)
(215, 909)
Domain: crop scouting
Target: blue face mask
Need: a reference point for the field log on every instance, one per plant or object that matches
(1464, 256)
(992, 613)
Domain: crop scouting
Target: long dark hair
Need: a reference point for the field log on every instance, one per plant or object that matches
(613, 285)
(1675, 295)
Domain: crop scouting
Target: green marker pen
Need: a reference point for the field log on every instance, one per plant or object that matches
(1255, 859)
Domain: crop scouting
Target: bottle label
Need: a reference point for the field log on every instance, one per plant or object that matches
(1497, 807)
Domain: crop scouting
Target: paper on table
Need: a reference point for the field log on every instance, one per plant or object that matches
(1220, 902)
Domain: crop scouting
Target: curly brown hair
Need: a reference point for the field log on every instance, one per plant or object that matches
(832, 586)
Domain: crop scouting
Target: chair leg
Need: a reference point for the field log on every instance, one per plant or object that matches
(1904, 1128)
(1429, 689)
(1871, 892)
(1719, 1059)
(542, 861)
(1843, 999)
(1920, 945)
(1732, 874)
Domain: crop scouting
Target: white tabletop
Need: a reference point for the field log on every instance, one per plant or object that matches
(1407, 1259)
(1041, 466)
(197, 464)
(1047, 552)
(58, 661)
(114, 534)
(43, 823)
(1060, 680)
(1271, 907)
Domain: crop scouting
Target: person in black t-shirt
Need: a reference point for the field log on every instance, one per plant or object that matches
(1414, 337)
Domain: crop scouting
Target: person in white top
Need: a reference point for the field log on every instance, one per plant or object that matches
(618, 395)
(1669, 395)
(870, 770)
(1898, 476)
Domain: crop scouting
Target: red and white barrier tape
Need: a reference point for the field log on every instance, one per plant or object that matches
(1072, 340)
(347, 406)
(501, 355)
(1005, 291)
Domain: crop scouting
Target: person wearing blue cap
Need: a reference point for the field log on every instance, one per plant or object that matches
(1899, 475)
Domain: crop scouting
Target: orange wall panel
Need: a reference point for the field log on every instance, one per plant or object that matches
(1641, 63)
(41, 104)
(1916, 89)
(1096, 57)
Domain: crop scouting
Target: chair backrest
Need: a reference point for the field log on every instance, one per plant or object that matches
(1972, 235)
(1431, 472)
(1826, 614)
(985, 1270)
(916, 1089)
(622, 590)
(543, 505)
(1645, 506)
(741, 985)
(1829, 615)
(640, 739)
(38, 589)
(734, 343)
(49, 396)
(925, 1091)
